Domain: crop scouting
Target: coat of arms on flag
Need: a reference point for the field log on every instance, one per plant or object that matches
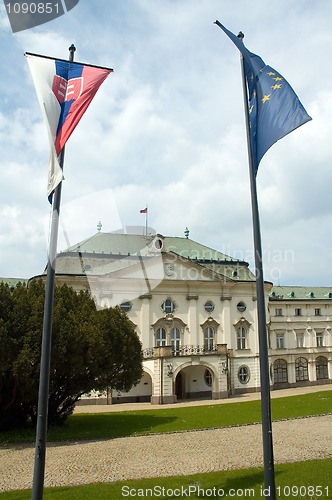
(64, 90)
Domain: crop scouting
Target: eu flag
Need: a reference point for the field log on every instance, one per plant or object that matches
(274, 108)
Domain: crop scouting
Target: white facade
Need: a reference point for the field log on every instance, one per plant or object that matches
(300, 335)
(195, 312)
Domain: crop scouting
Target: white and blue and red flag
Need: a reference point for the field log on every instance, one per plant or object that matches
(64, 90)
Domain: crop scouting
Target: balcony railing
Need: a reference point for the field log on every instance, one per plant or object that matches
(186, 350)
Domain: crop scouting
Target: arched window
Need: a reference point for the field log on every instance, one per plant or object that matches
(280, 371)
(241, 341)
(175, 340)
(321, 368)
(160, 337)
(243, 374)
(301, 369)
(208, 338)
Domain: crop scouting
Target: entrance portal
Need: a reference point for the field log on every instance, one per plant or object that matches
(194, 382)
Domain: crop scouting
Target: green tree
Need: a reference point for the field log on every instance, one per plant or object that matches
(90, 350)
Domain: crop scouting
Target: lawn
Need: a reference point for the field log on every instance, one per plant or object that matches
(112, 425)
(305, 480)
(308, 480)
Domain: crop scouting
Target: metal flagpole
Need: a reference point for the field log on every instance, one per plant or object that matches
(269, 480)
(45, 360)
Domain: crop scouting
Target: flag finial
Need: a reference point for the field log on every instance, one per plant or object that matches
(72, 48)
(241, 35)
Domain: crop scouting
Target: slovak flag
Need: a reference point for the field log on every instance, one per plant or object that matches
(64, 90)
(144, 210)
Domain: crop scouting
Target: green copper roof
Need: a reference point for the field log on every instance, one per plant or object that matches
(300, 293)
(129, 244)
(190, 249)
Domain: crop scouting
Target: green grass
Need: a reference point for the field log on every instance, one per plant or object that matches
(111, 425)
(244, 483)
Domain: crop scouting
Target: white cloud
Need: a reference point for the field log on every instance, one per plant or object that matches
(167, 129)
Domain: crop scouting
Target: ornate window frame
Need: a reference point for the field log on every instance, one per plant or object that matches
(242, 328)
(243, 374)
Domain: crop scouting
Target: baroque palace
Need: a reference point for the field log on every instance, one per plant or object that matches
(195, 312)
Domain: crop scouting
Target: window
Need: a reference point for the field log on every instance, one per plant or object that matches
(278, 312)
(168, 306)
(209, 306)
(241, 338)
(318, 311)
(241, 307)
(208, 377)
(158, 243)
(160, 337)
(299, 340)
(175, 341)
(243, 374)
(126, 306)
(208, 338)
(319, 340)
(321, 368)
(280, 341)
(298, 311)
(301, 369)
(280, 371)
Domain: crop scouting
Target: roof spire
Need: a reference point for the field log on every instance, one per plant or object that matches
(186, 233)
(99, 226)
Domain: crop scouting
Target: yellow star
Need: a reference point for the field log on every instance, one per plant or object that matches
(251, 108)
(266, 98)
(276, 86)
(278, 79)
(270, 73)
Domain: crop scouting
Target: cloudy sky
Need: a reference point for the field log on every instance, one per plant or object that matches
(166, 130)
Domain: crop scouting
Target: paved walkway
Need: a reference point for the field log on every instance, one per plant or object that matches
(169, 454)
(96, 408)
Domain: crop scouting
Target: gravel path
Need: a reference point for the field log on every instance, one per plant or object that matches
(167, 454)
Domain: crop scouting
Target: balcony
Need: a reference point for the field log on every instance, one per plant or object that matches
(186, 350)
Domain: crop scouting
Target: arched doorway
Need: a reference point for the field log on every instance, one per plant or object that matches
(194, 382)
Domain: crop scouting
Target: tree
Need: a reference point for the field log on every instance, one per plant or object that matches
(90, 350)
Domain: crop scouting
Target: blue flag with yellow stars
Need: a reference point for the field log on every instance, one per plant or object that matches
(274, 108)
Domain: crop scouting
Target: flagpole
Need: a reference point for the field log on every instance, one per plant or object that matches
(269, 479)
(45, 360)
(146, 223)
